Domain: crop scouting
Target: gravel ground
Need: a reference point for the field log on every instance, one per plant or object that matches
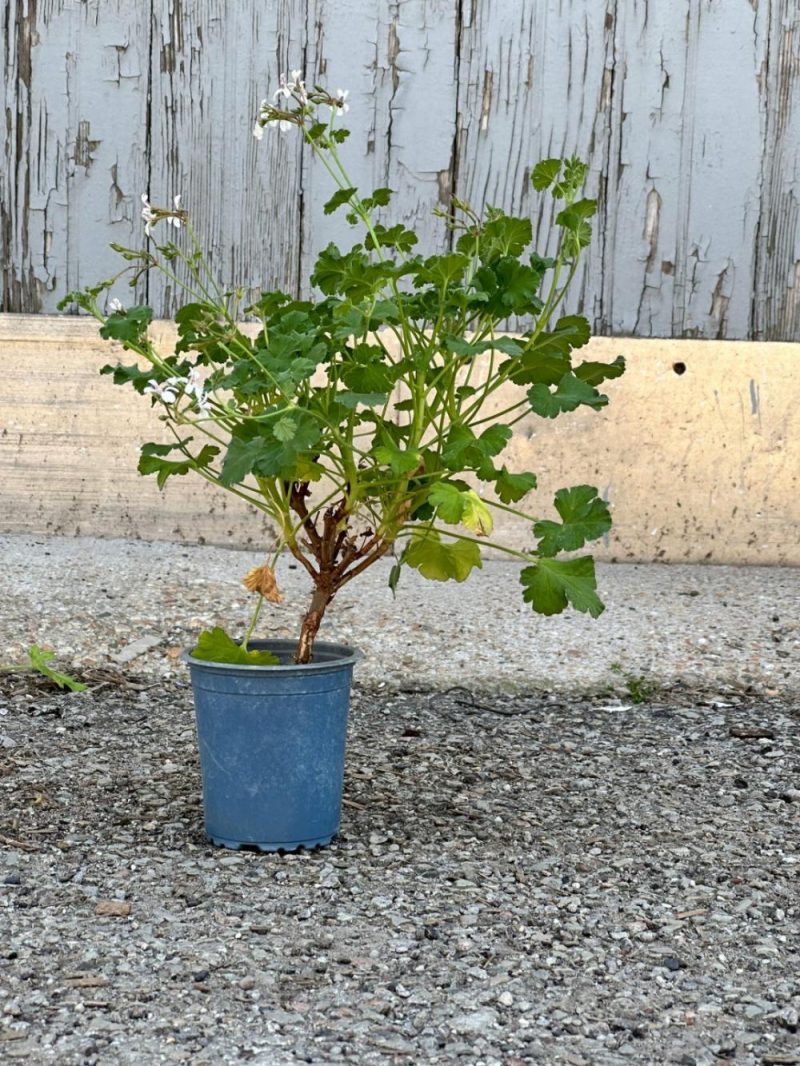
(533, 868)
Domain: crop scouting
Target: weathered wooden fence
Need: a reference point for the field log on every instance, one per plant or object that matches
(687, 110)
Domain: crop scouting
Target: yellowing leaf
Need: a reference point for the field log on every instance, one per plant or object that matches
(476, 515)
(440, 561)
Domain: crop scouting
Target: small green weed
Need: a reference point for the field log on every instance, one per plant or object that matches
(640, 688)
(38, 660)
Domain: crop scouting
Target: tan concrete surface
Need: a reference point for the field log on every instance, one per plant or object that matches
(698, 465)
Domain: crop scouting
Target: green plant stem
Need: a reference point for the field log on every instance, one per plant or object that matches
(253, 622)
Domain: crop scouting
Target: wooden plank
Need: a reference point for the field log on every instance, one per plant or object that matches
(535, 83)
(719, 173)
(75, 144)
(212, 63)
(776, 290)
(686, 112)
(683, 196)
(396, 59)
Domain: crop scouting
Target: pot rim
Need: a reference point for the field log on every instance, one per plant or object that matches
(339, 656)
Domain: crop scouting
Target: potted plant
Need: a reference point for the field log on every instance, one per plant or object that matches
(359, 422)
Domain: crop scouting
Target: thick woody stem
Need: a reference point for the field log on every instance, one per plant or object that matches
(311, 623)
(339, 558)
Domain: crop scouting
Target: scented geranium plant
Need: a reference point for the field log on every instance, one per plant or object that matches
(363, 421)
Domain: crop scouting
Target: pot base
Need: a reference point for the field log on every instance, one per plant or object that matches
(288, 845)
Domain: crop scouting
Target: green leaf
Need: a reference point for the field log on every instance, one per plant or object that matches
(577, 212)
(352, 400)
(394, 237)
(575, 171)
(448, 500)
(200, 329)
(151, 461)
(352, 274)
(547, 358)
(439, 561)
(504, 235)
(341, 196)
(545, 173)
(39, 658)
(508, 287)
(394, 573)
(371, 377)
(494, 439)
(584, 516)
(464, 451)
(285, 429)
(215, 646)
(127, 327)
(512, 487)
(597, 373)
(400, 460)
(165, 449)
(553, 583)
(239, 459)
(379, 198)
(574, 220)
(570, 393)
(571, 331)
(258, 450)
(162, 468)
(461, 346)
(130, 375)
(442, 271)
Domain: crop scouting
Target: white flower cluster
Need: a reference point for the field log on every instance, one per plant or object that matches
(168, 391)
(293, 87)
(151, 214)
(287, 89)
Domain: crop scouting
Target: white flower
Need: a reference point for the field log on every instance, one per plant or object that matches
(151, 214)
(114, 305)
(284, 126)
(258, 131)
(148, 214)
(298, 85)
(341, 99)
(166, 391)
(193, 386)
(175, 220)
(284, 89)
(193, 380)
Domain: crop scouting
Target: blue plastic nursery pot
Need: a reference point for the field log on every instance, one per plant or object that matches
(272, 743)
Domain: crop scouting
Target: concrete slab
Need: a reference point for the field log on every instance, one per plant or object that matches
(710, 626)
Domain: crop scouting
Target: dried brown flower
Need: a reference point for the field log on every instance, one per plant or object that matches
(262, 579)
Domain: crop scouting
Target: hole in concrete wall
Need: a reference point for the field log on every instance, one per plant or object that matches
(679, 368)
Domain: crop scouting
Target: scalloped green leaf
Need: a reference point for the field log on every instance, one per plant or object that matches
(570, 393)
(215, 646)
(545, 173)
(511, 488)
(584, 516)
(553, 584)
(341, 196)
